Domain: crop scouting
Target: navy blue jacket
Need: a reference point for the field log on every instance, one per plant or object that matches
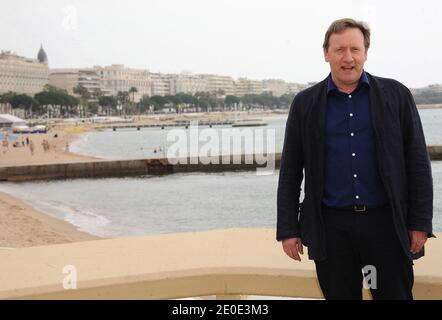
(401, 152)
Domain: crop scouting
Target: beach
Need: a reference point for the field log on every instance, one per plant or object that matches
(20, 224)
(62, 134)
(57, 138)
(23, 226)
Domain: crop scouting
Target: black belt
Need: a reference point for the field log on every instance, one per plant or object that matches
(358, 208)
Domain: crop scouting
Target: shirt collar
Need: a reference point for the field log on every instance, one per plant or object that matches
(331, 85)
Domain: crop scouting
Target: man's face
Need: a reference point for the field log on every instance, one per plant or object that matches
(346, 54)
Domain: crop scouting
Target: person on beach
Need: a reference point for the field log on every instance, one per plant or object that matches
(5, 144)
(45, 145)
(31, 147)
(368, 204)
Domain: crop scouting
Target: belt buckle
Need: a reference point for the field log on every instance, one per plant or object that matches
(359, 208)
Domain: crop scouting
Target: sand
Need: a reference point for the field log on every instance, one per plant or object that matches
(23, 226)
(57, 153)
(20, 224)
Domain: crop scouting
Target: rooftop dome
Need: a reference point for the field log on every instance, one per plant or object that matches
(42, 57)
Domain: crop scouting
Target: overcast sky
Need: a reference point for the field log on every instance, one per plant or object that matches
(258, 39)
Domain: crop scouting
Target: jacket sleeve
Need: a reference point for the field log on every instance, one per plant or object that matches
(290, 177)
(418, 170)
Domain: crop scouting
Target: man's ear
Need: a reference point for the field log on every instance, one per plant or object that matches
(326, 55)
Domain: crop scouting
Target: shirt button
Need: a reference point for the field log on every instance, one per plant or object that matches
(349, 96)
(353, 154)
(357, 197)
(351, 114)
(352, 134)
(355, 175)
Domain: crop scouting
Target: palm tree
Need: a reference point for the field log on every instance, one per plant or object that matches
(133, 90)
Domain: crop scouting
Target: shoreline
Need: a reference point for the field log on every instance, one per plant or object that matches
(66, 133)
(59, 139)
(21, 225)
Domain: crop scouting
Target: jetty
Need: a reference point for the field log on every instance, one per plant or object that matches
(153, 166)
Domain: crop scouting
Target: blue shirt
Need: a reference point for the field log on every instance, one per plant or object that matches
(351, 167)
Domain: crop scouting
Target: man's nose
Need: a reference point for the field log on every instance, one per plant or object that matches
(348, 57)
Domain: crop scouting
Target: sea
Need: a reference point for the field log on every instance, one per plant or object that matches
(145, 205)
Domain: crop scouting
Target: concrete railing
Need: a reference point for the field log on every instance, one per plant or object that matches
(115, 168)
(225, 263)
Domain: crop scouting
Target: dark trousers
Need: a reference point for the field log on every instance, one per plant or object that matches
(363, 241)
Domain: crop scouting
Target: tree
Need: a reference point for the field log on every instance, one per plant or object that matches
(175, 100)
(133, 90)
(6, 97)
(82, 92)
(207, 101)
(286, 99)
(107, 102)
(219, 93)
(145, 103)
(123, 97)
(159, 101)
(24, 101)
(187, 98)
(51, 88)
(85, 96)
(56, 97)
(231, 100)
(427, 96)
(97, 94)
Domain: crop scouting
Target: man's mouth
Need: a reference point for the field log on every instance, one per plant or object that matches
(347, 68)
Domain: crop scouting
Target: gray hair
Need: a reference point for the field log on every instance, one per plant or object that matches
(340, 25)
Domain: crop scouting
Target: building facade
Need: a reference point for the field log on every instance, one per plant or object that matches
(187, 83)
(216, 83)
(247, 86)
(68, 79)
(23, 75)
(294, 88)
(276, 87)
(160, 84)
(117, 78)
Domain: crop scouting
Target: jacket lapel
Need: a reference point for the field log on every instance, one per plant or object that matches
(378, 107)
(319, 114)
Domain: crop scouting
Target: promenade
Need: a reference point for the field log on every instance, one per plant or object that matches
(224, 264)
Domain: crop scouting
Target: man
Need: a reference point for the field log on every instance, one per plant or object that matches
(368, 201)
